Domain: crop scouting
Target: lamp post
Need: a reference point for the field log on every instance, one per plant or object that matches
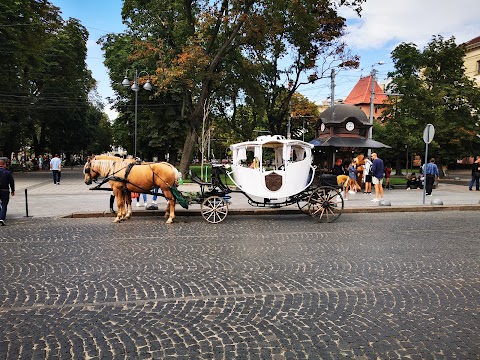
(372, 99)
(135, 87)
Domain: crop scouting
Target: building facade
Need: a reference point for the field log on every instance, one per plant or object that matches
(472, 60)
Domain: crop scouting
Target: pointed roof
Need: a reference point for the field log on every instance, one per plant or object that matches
(361, 93)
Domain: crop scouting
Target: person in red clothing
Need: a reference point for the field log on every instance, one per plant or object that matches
(388, 174)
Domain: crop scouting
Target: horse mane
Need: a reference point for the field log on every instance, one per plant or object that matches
(104, 167)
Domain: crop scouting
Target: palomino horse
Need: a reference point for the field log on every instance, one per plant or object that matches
(105, 172)
(128, 177)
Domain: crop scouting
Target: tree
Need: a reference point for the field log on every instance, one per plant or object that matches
(46, 105)
(195, 44)
(434, 90)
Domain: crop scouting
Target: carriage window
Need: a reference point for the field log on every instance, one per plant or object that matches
(268, 158)
(250, 156)
(297, 154)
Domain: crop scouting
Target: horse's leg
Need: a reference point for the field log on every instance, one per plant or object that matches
(167, 210)
(120, 203)
(170, 207)
(128, 205)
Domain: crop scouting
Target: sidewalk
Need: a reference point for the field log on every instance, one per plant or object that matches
(74, 199)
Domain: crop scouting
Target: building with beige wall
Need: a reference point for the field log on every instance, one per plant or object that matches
(472, 60)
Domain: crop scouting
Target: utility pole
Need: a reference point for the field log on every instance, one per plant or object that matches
(372, 99)
(332, 95)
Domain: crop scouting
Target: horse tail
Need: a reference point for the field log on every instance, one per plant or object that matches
(178, 174)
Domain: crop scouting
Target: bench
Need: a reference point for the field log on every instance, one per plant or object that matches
(404, 186)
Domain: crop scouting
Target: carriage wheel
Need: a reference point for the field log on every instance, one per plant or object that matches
(214, 209)
(325, 204)
(302, 201)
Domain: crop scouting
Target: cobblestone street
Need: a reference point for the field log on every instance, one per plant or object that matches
(393, 285)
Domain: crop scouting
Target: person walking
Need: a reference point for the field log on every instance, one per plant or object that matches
(431, 172)
(367, 176)
(475, 175)
(7, 187)
(56, 167)
(378, 170)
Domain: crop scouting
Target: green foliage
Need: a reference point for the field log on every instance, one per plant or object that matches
(46, 105)
(434, 90)
(223, 58)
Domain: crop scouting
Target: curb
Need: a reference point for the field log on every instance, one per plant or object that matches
(376, 209)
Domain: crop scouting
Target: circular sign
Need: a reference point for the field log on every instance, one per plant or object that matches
(322, 127)
(428, 133)
(350, 126)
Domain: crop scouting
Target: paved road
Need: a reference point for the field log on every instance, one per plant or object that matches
(73, 198)
(370, 286)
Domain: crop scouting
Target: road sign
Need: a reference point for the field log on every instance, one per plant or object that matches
(428, 133)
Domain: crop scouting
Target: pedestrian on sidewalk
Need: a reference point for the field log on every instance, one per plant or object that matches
(475, 175)
(388, 175)
(431, 173)
(367, 176)
(378, 170)
(7, 187)
(56, 167)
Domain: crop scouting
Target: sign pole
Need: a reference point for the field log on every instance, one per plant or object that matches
(425, 173)
(428, 135)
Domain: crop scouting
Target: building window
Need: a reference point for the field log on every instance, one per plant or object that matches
(478, 67)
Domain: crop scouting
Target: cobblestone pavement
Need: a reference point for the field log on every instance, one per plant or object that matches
(370, 286)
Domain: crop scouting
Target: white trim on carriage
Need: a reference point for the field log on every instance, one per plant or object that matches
(290, 161)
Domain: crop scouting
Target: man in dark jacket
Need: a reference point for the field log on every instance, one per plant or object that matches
(7, 185)
(475, 175)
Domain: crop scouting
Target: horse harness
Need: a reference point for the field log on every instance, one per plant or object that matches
(125, 179)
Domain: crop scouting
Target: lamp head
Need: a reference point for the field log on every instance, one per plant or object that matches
(126, 82)
(147, 86)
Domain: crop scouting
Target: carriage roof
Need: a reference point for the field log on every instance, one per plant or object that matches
(272, 141)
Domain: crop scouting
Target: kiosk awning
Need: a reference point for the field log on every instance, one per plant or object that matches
(348, 142)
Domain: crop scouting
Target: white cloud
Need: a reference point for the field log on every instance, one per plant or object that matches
(386, 23)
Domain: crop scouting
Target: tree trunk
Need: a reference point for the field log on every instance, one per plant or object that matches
(187, 153)
(398, 165)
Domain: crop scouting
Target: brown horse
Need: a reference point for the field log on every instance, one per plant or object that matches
(126, 177)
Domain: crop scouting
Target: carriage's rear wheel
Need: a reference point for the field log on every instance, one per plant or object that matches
(214, 209)
(303, 199)
(325, 204)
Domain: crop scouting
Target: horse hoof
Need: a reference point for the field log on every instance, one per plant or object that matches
(116, 220)
(169, 221)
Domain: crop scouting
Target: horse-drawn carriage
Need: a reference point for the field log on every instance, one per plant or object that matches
(271, 172)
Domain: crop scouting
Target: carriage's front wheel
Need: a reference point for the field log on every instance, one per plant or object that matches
(214, 209)
(325, 204)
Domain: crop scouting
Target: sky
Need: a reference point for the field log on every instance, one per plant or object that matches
(383, 25)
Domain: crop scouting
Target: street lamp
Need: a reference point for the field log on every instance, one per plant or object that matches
(372, 98)
(135, 87)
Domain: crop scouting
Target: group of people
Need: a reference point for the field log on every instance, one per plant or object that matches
(373, 173)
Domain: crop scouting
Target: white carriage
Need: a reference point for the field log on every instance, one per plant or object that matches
(272, 166)
(272, 172)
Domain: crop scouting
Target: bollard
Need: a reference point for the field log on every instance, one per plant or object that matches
(26, 202)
